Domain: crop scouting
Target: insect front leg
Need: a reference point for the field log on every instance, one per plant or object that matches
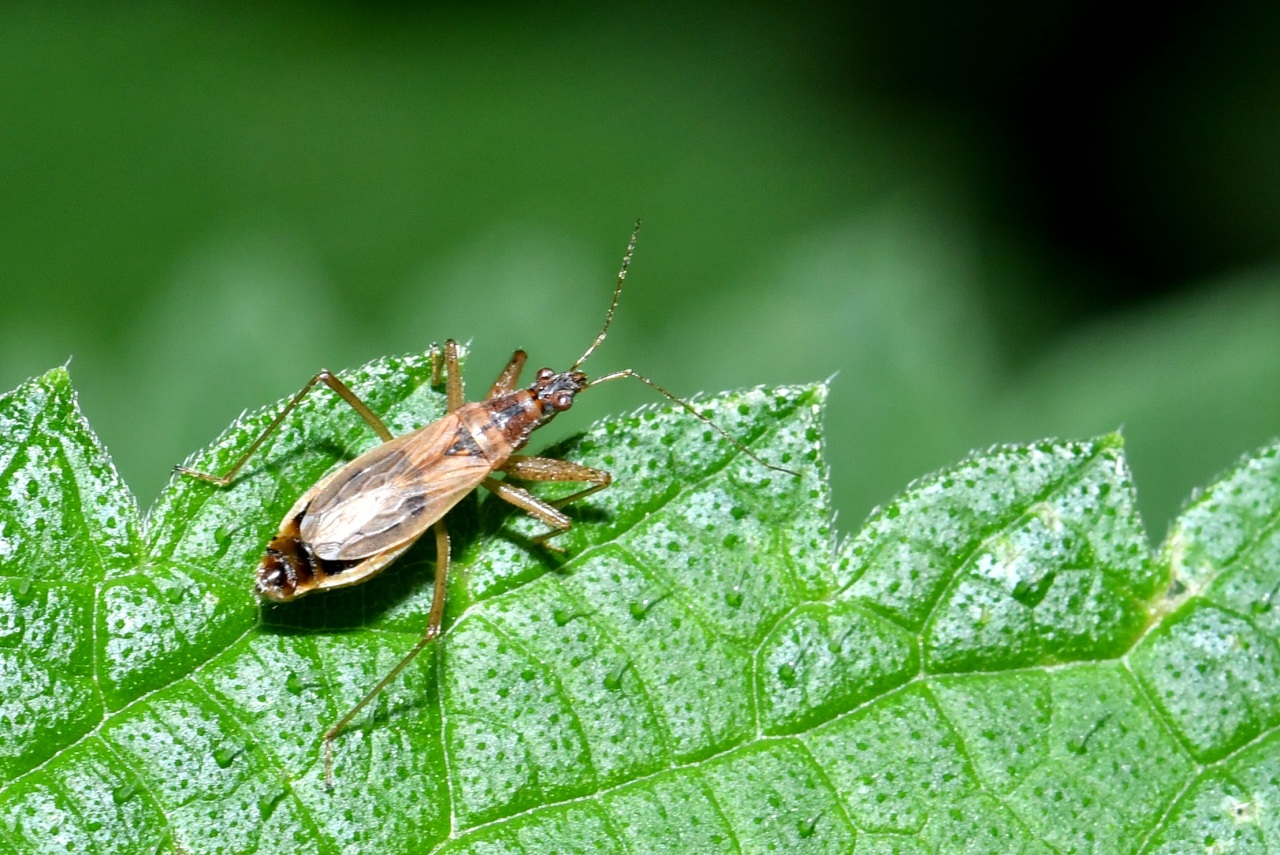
(510, 376)
(340, 388)
(454, 397)
(529, 468)
(435, 621)
(532, 505)
(546, 469)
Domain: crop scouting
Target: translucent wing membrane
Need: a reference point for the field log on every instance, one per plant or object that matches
(399, 489)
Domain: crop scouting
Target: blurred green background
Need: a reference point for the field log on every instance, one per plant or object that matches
(990, 222)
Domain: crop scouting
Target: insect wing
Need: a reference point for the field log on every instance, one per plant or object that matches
(390, 495)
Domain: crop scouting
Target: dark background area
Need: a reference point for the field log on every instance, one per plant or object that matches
(1131, 144)
(990, 222)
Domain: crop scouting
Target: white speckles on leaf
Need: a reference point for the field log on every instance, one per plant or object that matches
(698, 671)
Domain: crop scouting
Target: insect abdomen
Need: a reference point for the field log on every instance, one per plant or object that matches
(289, 569)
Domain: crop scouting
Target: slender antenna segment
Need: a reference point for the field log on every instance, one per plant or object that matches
(617, 291)
(627, 372)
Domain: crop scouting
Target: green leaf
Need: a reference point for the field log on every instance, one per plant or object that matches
(996, 662)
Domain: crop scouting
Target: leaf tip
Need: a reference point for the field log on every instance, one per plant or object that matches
(1113, 440)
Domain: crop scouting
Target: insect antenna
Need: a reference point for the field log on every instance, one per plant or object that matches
(627, 372)
(617, 291)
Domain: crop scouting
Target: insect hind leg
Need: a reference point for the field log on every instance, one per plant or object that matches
(435, 622)
(341, 389)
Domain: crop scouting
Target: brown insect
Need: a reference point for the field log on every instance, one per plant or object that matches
(362, 516)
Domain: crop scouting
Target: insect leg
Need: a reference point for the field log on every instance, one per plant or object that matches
(435, 619)
(340, 388)
(452, 377)
(532, 505)
(509, 377)
(529, 468)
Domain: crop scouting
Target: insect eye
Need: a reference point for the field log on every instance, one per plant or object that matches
(562, 401)
(545, 374)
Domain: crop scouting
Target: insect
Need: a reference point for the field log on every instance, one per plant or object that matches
(363, 515)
